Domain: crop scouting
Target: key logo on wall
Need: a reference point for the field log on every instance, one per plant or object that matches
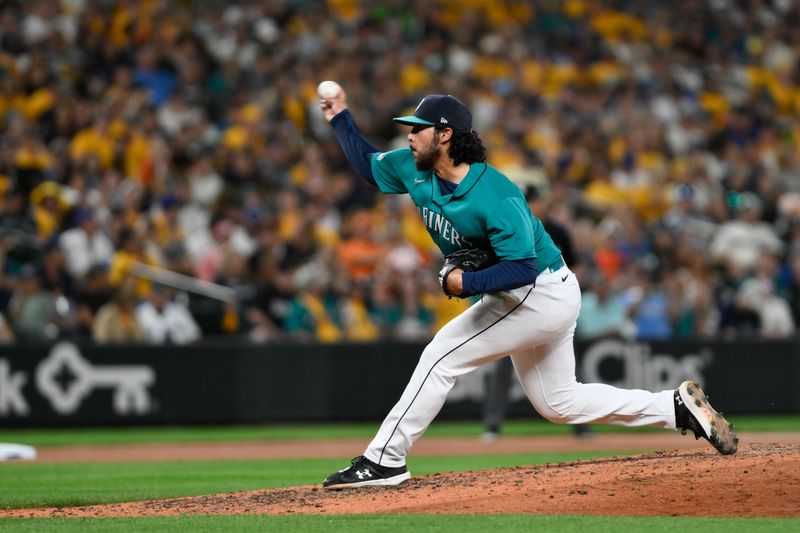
(129, 383)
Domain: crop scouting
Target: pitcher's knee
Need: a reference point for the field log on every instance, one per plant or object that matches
(559, 413)
(430, 356)
(436, 367)
(442, 359)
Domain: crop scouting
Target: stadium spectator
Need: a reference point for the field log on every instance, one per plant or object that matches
(6, 333)
(165, 320)
(740, 242)
(603, 312)
(86, 244)
(115, 321)
(759, 294)
(32, 309)
(359, 252)
(665, 133)
(15, 221)
(89, 299)
(130, 251)
(651, 306)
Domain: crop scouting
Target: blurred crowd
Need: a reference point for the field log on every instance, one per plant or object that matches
(185, 135)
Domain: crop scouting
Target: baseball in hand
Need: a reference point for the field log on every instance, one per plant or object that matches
(328, 89)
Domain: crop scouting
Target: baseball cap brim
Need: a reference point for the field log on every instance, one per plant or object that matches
(412, 121)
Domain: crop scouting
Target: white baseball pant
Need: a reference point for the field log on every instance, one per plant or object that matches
(535, 325)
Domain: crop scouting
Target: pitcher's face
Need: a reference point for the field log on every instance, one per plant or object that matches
(424, 144)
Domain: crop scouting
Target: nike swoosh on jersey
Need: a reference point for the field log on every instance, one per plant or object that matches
(417, 181)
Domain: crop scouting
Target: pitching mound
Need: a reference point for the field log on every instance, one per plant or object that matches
(760, 480)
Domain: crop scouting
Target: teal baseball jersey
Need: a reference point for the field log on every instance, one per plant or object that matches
(485, 211)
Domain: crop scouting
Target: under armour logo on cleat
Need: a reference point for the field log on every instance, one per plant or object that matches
(363, 474)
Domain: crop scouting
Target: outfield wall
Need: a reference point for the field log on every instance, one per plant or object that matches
(70, 384)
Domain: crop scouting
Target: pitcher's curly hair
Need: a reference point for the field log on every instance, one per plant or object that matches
(466, 147)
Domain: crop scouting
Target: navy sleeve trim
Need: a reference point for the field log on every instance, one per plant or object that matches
(503, 276)
(355, 146)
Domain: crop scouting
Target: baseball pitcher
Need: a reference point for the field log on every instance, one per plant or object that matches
(493, 246)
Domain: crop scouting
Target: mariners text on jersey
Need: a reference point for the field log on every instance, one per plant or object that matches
(486, 210)
(437, 223)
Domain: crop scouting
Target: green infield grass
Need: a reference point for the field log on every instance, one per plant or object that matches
(34, 484)
(518, 427)
(395, 523)
(71, 484)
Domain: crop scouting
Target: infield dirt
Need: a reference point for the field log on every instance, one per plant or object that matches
(760, 480)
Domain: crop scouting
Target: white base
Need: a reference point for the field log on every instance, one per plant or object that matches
(9, 452)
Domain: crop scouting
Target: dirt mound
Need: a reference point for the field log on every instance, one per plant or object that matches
(427, 445)
(760, 480)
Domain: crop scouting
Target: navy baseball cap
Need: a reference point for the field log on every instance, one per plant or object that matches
(440, 110)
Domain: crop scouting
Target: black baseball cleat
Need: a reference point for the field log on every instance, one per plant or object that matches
(364, 473)
(693, 412)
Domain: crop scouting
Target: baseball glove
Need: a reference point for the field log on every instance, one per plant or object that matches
(468, 260)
